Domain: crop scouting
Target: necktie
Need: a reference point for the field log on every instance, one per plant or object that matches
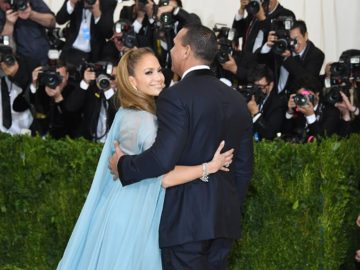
(6, 106)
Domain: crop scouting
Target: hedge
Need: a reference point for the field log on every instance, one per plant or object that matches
(300, 212)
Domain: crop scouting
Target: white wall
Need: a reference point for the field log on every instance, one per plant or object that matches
(333, 25)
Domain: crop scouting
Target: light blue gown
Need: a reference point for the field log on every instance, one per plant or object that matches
(118, 226)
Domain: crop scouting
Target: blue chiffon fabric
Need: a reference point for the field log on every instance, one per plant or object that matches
(118, 226)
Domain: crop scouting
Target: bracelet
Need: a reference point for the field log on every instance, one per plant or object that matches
(356, 109)
(205, 175)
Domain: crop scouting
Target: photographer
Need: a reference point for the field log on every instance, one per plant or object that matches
(94, 98)
(294, 54)
(50, 90)
(267, 108)
(15, 75)
(231, 65)
(140, 16)
(308, 116)
(26, 21)
(254, 28)
(91, 23)
(123, 39)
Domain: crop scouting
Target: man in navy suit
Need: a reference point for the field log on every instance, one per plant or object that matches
(200, 220)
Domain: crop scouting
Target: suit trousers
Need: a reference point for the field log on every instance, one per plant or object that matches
(200, 255)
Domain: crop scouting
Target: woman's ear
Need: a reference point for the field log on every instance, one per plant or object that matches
(133, 82)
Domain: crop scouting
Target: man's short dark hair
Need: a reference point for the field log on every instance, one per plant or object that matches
(301, 25)
(260, 71)
(202, 41)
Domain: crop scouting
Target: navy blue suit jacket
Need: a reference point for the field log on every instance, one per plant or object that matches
(194, 115)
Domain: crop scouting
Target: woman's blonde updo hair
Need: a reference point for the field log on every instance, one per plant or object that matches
(129, 97)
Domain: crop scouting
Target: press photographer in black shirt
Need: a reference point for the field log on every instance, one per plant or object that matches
(266, 107)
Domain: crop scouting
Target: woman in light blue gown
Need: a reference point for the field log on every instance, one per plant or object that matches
(118, 226)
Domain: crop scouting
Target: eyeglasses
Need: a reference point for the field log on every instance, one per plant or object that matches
(262, 86)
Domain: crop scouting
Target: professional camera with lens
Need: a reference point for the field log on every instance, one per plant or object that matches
(301, 99)
(128, 37)
(281, 26)
(254, 6)
(250, 90)
(332, 94)
(6, 55)
(90, 2)
(166, 20)
(56, 37)
(225, 37)
(103, 72)
(18, 4)
(48, 76)
(345, 70)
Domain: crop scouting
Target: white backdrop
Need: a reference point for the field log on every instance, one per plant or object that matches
(333, 25)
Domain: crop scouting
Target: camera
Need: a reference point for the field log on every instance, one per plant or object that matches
(254, 6)
(225, 37)
(302, 99)
(128, 37)
(18, 4)
(90, 2)
(166, 20)
(281, 26)
(332, 94)
(103, 73)
(48, 76)
(56, 37)
(6, 53)
(250, 90)
(345, 70)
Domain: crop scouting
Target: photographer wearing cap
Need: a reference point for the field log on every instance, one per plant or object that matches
(291, 56)
(15, 76)
(50, 90)
(254, 27)
(266, 107)
(308, 116)
(91, 23)
(26, 21)
(95, 99)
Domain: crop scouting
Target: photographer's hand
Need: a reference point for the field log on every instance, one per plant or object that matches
(286, 54)
(73, 2)
(35, 75)
(252, 106)
(243, 4)
(149, 9)
(11, 18)
(95, 10)
(307, 109)
(56, 93)
(271, 38)
(291, 104)
(230, 65)
(89, 75)
(164, 9)
(261, 14)
(25, 14)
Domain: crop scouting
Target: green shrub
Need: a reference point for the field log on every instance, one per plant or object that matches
(300, 212)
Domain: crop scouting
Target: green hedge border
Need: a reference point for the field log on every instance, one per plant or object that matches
(300, 212)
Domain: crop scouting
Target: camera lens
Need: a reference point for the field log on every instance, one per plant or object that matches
(103, 82)
(300, 100)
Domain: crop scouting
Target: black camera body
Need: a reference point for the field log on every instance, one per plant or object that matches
(301, 100)
(48, 76)
(7, 55)
(90, 2)
(250, 90)
(254, 6)
(345, 70)
(128, 37)
(166, 20)
(56, 37)
(332, 94)
(225, 37)
(281, 26)
(16, 5)
(103, 73)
